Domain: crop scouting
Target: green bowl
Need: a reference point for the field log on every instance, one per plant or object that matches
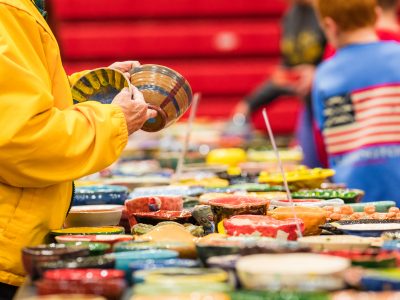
(283, 295)
(348, 196)
(380, 206)
(94, 248)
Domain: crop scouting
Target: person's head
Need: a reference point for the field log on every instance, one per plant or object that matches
(340, 17)
(388, 5)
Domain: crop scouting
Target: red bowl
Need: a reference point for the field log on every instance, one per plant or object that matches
(155, 217)
(154, 203)
(112, 289)
(264, 225)
(83, 274)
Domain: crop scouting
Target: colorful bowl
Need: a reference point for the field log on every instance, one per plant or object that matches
(381, 280)
(33, 256)
(88, 230)
(67, 297)
(380, 206)
(82, 274)
(298, 271)
(91, 262)
(226, 156)
(123, 259)
(263, 225)
(227, 207)
(94, 215)
(335, 242)
(347, 195)
(155, 217)
(217, 247)
(185, 275)
(100, 194)
(165, 90)
(100, 85)
(367, 228)
(94, 248)
(102, 238)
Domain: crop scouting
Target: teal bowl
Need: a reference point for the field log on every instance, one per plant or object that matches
(123, 259)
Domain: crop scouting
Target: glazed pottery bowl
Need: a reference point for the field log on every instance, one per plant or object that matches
(263, 225)
(91, 262)
(226, 156)
(372, 258)
(380, 206)
(217, 247)
(184, 249)
(152, 264)
(67, 297)
(104, 230)
(299, 271)
(33, 256)
(347, 195)
(100, 194)
(226, 207)
(102, 238)
(155, 217)
(100, 85)
(94, 215)
(335, 242)
(185, 275)
(95, 248)
(381, 280)
(154, 203)
(123, 259)
(111, 289)
(165, 90)
(183, 291)
(367, 228)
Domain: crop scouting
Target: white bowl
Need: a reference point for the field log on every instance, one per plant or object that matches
(94, 215)
(299, 271)
(335, 242)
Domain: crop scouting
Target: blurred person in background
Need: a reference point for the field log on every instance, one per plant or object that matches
(302, 47)
(356, 100)
(387, 25)
(46, 142)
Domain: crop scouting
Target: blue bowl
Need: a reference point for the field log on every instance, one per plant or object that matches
(391, 245)
(123, 259)
(100, 194)
(378, 283)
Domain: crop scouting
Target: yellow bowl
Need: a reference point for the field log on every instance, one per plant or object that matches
(226, 156)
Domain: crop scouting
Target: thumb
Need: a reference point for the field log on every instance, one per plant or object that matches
(151, 113)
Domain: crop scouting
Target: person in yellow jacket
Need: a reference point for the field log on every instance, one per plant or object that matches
(46, 142)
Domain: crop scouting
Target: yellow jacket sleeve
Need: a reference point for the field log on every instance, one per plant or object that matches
(43, 142)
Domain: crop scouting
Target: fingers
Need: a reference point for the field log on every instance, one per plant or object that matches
(137, 95)
(125, 66)
(151, 113)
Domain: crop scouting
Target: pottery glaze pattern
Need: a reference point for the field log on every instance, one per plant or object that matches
(100, 85)
(165, 90)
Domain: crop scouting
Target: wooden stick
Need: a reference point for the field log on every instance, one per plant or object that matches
(289, 195)
(192, 116)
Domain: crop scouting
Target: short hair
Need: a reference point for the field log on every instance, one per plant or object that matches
(388, 4)
(349, 14)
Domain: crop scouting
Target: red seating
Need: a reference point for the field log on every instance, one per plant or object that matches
(101, 9)
(225, 48)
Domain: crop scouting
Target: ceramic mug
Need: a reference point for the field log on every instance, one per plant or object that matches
(165, 90)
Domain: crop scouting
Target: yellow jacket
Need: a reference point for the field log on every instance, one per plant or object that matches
(45, 141)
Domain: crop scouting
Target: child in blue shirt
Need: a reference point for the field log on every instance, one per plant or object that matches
(356, 100)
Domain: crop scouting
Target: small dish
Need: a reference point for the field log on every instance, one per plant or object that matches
(217, 247)
(100, 194)
(123, 259)
(369, 228)
(299, 271)
(155, 217)
(102, 238)
(226, 207)
(186, 275)
(94, 248)
(88, 230)
(33, 256)
(94, 215)
(91, 262)
(262, 225)
(335, 242)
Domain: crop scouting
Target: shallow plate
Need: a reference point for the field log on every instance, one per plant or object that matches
(100, 85)
(369, 229)
(335, 242)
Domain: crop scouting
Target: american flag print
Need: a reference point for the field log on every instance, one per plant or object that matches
(362, 119)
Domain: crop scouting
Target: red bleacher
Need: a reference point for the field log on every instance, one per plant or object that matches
(225, 48)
